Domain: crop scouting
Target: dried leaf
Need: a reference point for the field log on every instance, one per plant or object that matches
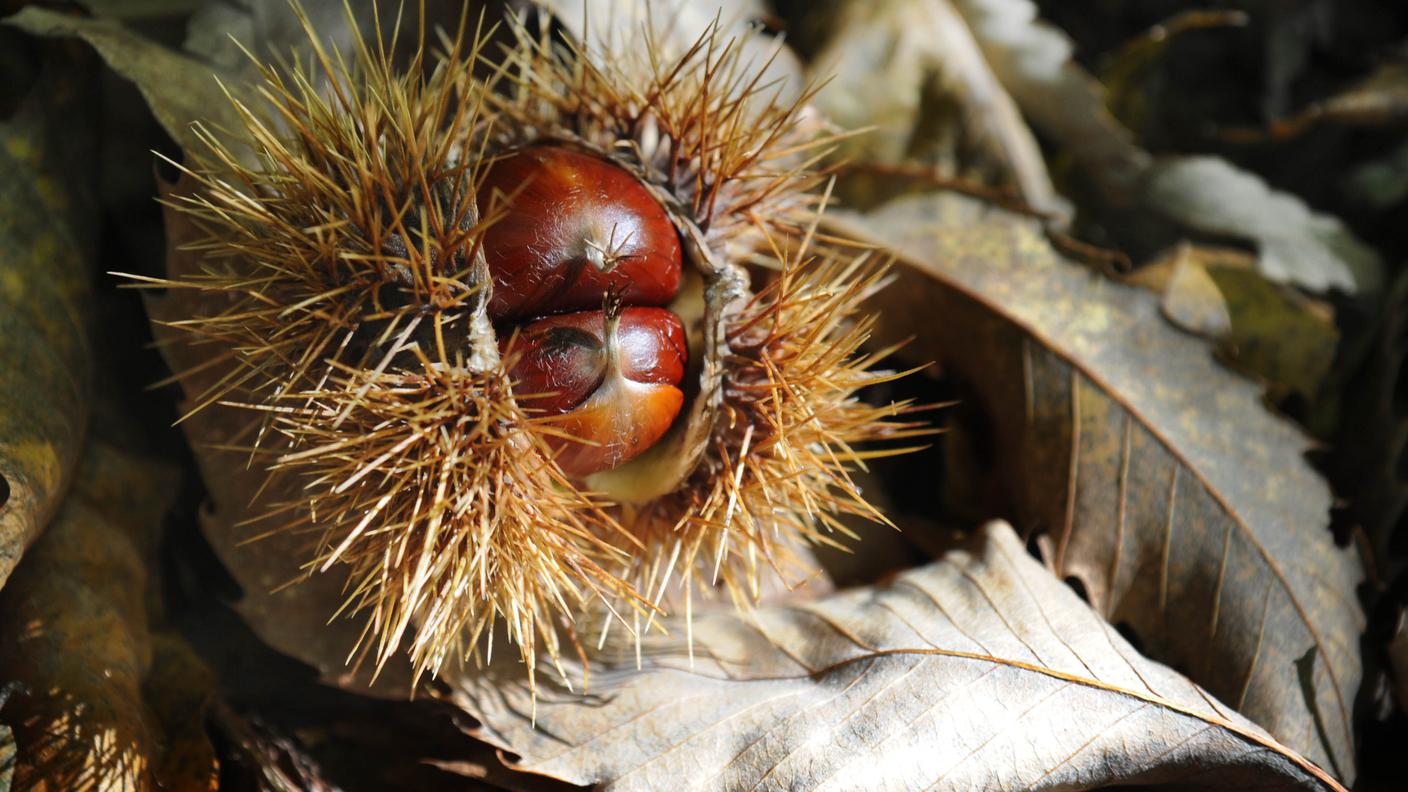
(618, 24)
(1263, 328)
(1125, 77)
(911, 70)
(139, 9)
(981, 671)
(1205, 194)
(7, 747)
(74, 629)
(178, 89)
(1033, 61)
(181, 91)
(1277, 334)
(1164, 485)
(1397, 662)
(1372, 444)
(226, 32)
(274, 763)
(47, 243)
(1295, 244)
(177, 689)
(1380, 99)
(1189, 296)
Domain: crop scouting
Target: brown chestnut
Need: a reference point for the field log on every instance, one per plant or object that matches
(569, 227)
(612, 375)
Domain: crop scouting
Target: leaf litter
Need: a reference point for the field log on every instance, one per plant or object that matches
(1186, 513)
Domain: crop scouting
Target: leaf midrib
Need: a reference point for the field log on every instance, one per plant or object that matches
(871, 654)
(849, 230)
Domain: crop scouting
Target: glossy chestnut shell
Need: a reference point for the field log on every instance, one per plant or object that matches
(572, 227)
(557, 362)
(568, 232)
(611, 376)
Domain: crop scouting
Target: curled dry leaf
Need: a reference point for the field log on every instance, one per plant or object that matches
(1162, 482)
(1373, 440)
(222, 32)
(74, 629)
(1263, 328)
(294, 619)
(980, 671)
(47, 242)
(1189, 296)
(1380, 99)
(1033, 61)
(911, 70)
(178, 89)
(269, 761)
(138, 9)
(177, 689)
(7, 757)
(619, 25)
(1295, 245)
(7, 744)
(1397, 662)
(1204, 194)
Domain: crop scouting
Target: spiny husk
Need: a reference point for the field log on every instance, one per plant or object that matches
(723, 137)
(453, 502)
(348, 255)
(775, 425)
(776, 469)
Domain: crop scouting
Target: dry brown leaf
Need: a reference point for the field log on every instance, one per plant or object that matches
(224, 32)
(74, 630)
(1295, 245)
(618, 25)
(1262, 328)
(911, 70)
(1379, 99)
(47, 244)
(1188, 295)
(1206, 194)
(177, 689)
(178, 89)
(1033, 61)
(981, 671)
(271, 762)
(181, 91)
(7, 749)
(1277, 333)
(1373, 440)
(1164, 485)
